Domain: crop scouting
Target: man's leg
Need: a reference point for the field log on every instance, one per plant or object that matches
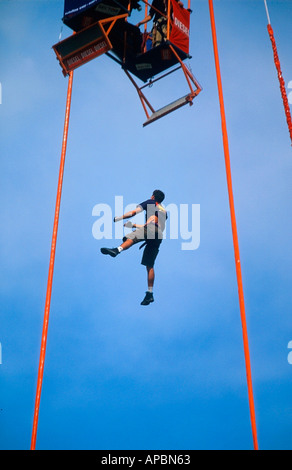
(150, 278)
(126, 244)
(113, 252)
(149, 293)
(149, 256)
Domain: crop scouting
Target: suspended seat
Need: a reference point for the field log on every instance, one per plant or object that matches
(102, 26)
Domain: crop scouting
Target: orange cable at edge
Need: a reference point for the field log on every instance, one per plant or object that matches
(51, 267)
(234, 230)
(281, 80)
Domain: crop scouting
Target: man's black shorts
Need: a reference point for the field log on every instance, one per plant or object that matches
(154, 237)
(150, 253)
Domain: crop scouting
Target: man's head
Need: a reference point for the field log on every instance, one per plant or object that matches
(158, 195)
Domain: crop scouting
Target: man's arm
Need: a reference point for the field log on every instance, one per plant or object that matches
(152, 220)
(130, 225)
(128, 215)
(145, 20)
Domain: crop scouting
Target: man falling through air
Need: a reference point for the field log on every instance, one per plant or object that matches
(151, 233)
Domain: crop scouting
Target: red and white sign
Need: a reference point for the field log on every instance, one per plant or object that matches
(180, 31)
(85, 55)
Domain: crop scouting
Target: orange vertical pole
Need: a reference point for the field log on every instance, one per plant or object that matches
(146, 14)
(234, 229)
(145, 29)
(51, 267)
(168, 20)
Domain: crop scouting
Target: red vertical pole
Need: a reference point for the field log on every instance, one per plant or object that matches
(234, 229)
(51, 267)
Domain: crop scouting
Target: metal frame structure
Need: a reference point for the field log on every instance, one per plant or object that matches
(101, 37)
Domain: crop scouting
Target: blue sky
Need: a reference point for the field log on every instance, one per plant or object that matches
(170, 376)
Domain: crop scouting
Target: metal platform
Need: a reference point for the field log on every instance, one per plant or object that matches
(169, 108)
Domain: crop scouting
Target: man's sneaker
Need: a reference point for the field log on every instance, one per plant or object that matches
(113, 252)
(147, 299)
